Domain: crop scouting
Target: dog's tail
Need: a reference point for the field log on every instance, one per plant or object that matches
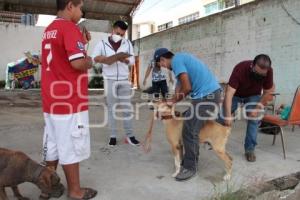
(229, 156)
(148, 138)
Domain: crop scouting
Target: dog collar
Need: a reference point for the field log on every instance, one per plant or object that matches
(168, 117)
(37, 173)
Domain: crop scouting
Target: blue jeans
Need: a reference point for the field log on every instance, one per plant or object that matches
(252, 125)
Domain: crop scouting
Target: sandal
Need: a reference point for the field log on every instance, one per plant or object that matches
(250, 156)
(89, 193)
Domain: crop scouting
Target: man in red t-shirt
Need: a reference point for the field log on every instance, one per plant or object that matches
(64, 95)
(251, 84)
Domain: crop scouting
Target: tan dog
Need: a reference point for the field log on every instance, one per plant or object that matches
(17, 168)
(212, 133)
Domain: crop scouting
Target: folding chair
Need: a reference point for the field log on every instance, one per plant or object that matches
(271, 105)
(293, 119)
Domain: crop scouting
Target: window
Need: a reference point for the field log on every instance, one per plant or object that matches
(165, 26)
(188, 18)
(211, 8)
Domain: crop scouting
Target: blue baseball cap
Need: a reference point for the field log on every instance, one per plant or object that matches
(159, 52)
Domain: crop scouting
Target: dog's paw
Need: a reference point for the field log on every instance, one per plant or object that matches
(227, 177)
(44, 196)
(23, 198)
(175, 174)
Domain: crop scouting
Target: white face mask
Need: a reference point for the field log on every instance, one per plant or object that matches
(116, 38)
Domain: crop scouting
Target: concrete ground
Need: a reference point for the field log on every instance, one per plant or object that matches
(126, 172)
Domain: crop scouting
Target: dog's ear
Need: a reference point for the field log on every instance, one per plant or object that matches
(45, 179)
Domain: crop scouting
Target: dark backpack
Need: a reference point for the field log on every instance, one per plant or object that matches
(268, 128)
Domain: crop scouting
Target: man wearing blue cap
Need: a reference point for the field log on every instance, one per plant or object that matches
(194, 79)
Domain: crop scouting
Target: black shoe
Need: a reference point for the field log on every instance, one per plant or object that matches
(250, 156)
(112, 142)
(133, 141)
(151, 108)
(185, 174)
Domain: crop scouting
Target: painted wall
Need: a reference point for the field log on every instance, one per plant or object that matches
(16, 39)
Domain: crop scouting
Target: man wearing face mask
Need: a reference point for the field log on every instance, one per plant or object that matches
(251, 82)
(117, 86)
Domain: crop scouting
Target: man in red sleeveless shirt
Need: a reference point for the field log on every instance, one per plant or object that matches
(64, 95)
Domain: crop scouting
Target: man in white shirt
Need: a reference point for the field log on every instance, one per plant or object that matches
(117, 86)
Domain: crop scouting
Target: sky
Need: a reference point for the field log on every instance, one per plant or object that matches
(151, 9)
(154, 6)
(45, 20)
(146, 11)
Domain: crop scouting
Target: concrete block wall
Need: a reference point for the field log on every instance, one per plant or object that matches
(224, 39)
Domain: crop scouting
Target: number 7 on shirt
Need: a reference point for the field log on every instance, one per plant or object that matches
(49, 57)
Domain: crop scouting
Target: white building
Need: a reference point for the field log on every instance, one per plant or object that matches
(193, 10)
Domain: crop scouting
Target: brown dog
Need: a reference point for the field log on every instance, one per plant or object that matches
(17, 168)
(212, 133)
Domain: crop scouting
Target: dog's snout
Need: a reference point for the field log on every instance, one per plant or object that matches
(55, 179)
(58, 190)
